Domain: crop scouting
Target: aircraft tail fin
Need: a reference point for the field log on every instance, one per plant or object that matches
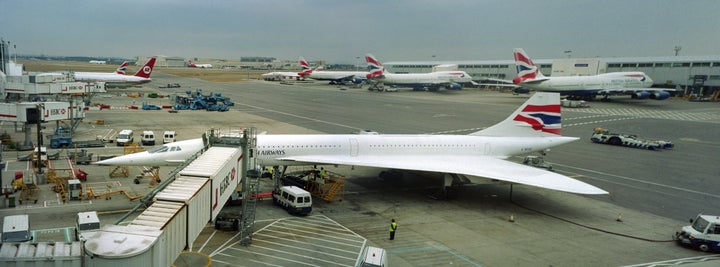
(375, 68)
(146, 69)
(191, 64)
(526, 69)
(122, 68)
(304, 67)
(539, 116)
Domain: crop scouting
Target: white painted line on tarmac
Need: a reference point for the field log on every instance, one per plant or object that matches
(206, 241)
(302, 117)
(288, 253)
(310, 250)
(638, 181)
(245, 259)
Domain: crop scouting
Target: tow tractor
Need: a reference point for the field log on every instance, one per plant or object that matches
(538, 162)
(704, 233)
(604, 136)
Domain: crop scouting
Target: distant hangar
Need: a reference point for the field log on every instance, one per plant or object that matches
(689, 74)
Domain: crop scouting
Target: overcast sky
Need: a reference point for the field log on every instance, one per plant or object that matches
(339, 31)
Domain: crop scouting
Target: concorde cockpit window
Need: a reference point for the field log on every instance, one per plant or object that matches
(159, 149)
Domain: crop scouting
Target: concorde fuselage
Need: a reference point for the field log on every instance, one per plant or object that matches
(274, 149)
(271, 149)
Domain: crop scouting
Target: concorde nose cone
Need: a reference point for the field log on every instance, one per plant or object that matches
(118, 161)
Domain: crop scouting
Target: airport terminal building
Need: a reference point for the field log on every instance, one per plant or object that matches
(689, 74)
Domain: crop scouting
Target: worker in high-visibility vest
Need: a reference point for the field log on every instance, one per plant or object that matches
(322, 173)
(271, 171)
(393, 228)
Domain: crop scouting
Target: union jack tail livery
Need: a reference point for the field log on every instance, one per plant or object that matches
(538, 117)
(304, 67)
(375, 68)
(122, 68)
(526, 69)
(146, 69)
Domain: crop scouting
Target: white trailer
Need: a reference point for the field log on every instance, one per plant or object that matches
(223, 167)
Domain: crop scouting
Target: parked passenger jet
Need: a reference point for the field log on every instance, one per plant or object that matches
(433, 81)
(282, 76)
(195, 65)
(335, 77)
(636, 84)
(122, 68)
(534, 127)
(118, 80)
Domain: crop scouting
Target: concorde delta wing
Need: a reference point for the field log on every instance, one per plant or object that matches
(482, 166)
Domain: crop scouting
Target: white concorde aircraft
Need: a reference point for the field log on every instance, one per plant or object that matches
(118, 80)
(636, 84)
(534, 127)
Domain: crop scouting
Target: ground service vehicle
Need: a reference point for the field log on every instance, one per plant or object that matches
(227, 221)
(125, 136)
(169, 137)
(74, 189)
(373, 257)
(16, 228)
(87, 222)
(537, 161)
(147, 138)
(293, 199)
(603, 136)
(704, 233)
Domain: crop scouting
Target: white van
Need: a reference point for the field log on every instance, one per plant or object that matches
(169, 137)
(125, 136)
(293, 199)
(374, 257)
(147, 138)
(16, 228)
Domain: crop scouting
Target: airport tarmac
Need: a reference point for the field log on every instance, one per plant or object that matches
(652, 193)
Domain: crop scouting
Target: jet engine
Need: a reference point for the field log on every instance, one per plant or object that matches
(660, 95)
(641, 95)
(521, 90)
(454, 86)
